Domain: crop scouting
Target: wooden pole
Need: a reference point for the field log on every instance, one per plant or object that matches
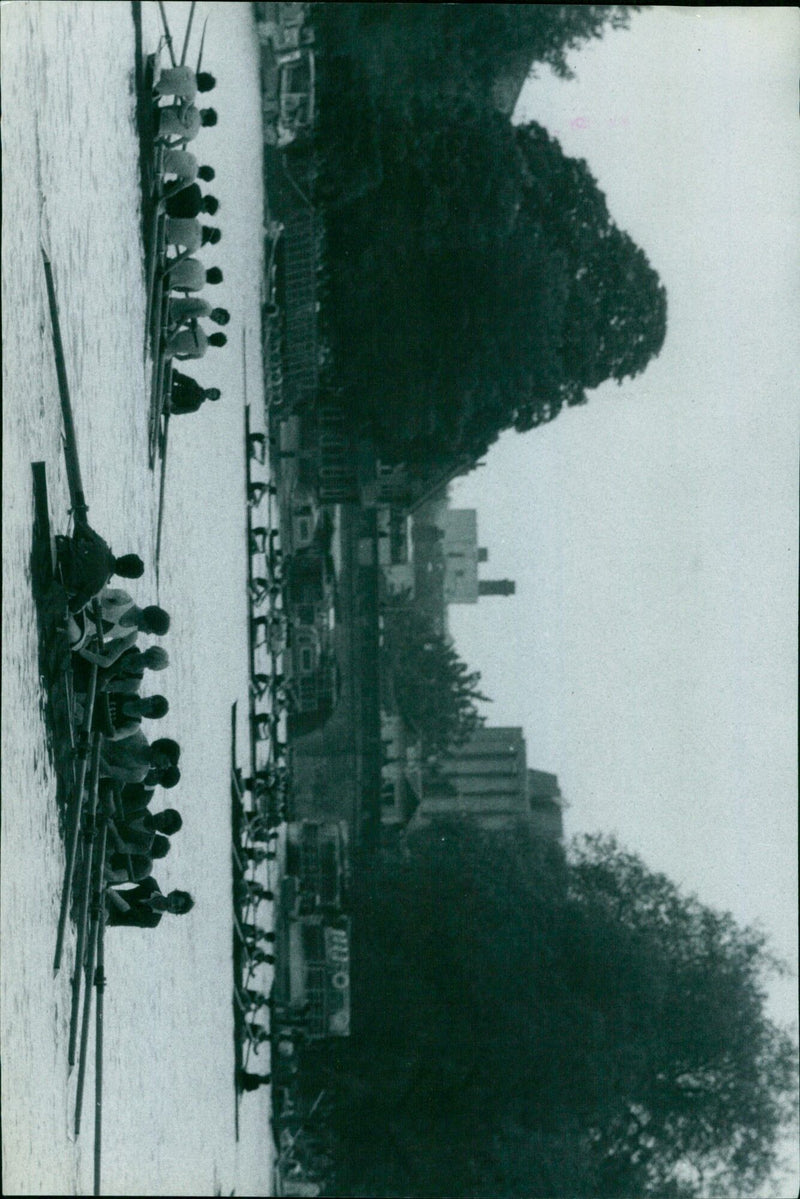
(167, 33)
(301, 1129)
(161, 493)
(77, 498)
(83, 753)
(100, 985)
(202, 43)
(97, 918)
(188, 31)
(84, 919)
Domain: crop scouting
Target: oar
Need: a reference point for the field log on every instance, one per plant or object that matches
(100, 986)
(154, 280)
(288, 1148)
(202, 43)
(83, 752)
(161, 491)
(188, 31)
(167, 33)
(98, 918)
(87, 894)
(79, 506)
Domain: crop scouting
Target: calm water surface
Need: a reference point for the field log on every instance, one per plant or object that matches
(71, 181)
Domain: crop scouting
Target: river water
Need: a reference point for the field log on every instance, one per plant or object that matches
(71, 180)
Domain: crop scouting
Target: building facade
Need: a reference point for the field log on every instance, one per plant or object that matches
(488, 780)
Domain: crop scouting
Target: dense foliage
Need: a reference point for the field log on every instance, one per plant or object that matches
(434, 690)
(478, 281)
(529, 1024)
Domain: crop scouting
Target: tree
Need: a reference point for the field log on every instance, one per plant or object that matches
(481, 285)
(533, 1023)
(435, 692)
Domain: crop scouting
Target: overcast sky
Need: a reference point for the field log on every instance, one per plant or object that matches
(650, 651)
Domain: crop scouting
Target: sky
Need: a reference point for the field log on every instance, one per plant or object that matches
(650, 650)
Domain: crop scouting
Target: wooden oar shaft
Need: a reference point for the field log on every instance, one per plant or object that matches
(97, 918)
(167, 33)
(202, 43)
(119, 815)
(100, 986)
(188, 31)
(71, 445)
(162, 488)
(84, 920)
(76, 825)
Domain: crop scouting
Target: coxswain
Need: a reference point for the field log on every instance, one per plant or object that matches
(143, 906)
(188, 396)
(86, 563)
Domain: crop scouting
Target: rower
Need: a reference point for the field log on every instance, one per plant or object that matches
(258, 542)
(258, 828)
(117, 714)
(183, 83)
(183, 309)
(257, 891)
(192, 342)
(256, 444)
(257, 1033)
(257, 491)
(183, 122)
(257, 854)
(264, 725)
(137, 833)
(189, 233)
(185, 167)
(270, 623)
(189, 274)
(251, 1082)
(135, 760)
(126, 867)
(127, 673)
(260, 957)
(190, 202)
(122, 621)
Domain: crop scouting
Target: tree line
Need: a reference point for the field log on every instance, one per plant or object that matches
(535, 1022)
(477, 280)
